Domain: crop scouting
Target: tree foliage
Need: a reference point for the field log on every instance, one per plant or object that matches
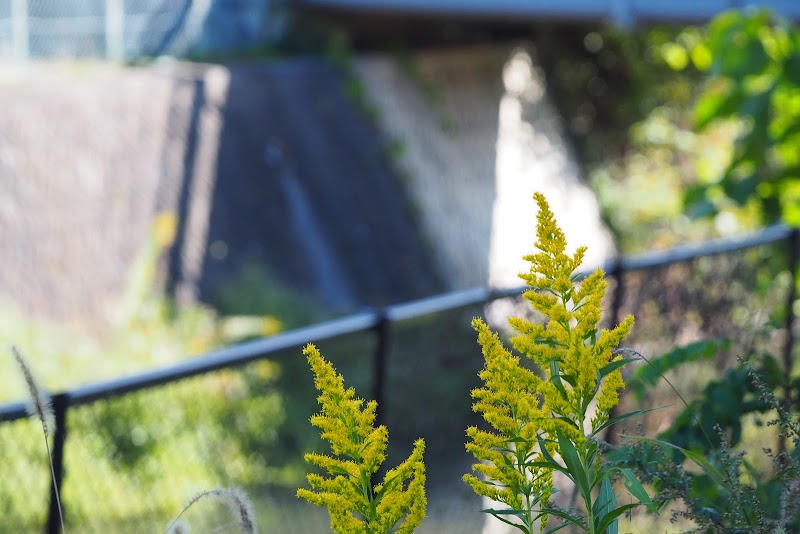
(753, 62)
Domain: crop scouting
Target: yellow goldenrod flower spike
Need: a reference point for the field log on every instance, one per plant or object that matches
(532, 414)
(358, 450)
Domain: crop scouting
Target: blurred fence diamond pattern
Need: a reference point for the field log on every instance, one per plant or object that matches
(130, 29)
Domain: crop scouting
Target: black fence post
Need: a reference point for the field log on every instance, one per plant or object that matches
(60, 404)
(617, 272)
(619, 292)
(793, 242)
(379, 365)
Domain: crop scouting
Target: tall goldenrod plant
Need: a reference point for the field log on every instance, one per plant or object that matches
(547, 418)
(358, 448)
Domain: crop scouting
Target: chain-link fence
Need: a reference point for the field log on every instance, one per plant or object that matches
(135, 449)
(131, 29)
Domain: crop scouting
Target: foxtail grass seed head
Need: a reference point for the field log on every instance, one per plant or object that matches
(241, 507)
(179, 527)
(39, 405)
(237, 500)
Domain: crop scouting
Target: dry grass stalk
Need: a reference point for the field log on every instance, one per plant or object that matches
(39, 405)
(236, 499)
(41, 408)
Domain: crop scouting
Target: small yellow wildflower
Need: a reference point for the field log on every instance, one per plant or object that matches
(165, 228)
(358, 451)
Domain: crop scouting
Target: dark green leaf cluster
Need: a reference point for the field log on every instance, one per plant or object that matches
(716, 497)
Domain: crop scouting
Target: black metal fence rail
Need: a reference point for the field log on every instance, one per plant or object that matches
(378, 322)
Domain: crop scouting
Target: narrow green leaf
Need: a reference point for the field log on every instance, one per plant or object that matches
(336, 470)
(556, 528)
(636, 489)
(566, 420)
(553, 466)
(543, 447)
(569, 379)
(606, 500)
(609, 523)
(523, 528)
(388, 486)
(575, 466)
(550, 462)
(613, 366)
(599, 477)
(620, 418)
(656, 368)
(565, 516)
(505, 450)
(591, 452)
(704, 464)
(555, 377)
(495, 484)
(519, 439)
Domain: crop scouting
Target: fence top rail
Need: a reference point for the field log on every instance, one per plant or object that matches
(233, 356)
(240, 354)
(690, 251)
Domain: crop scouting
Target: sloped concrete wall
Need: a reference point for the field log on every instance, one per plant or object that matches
(479, 136)
(441, 110)
(267, 165)
(79, 171)
(90, 154)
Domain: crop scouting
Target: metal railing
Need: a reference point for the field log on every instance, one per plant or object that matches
(623, 12)
(378, 323)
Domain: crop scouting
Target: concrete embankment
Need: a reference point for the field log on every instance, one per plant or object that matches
(266, 163)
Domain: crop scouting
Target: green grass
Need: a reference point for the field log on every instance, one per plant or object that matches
(135, 459)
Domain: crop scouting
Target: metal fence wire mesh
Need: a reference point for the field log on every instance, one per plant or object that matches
(130, 29)
(723, 295)
(25, 484)
(738, 298)
(132, 461)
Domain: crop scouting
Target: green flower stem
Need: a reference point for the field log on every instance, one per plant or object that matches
(587, 498)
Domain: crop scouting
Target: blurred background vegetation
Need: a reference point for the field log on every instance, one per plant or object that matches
(685, 133)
